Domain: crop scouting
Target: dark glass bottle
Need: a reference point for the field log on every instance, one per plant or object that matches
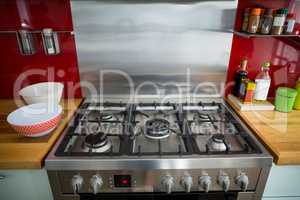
(239, 76)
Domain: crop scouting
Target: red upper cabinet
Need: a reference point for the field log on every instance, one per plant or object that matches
(35, 15)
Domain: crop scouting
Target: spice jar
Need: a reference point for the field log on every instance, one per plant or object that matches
(278, 23)
(289, 23)
(254, 20)
(267, 22)
(246, 19)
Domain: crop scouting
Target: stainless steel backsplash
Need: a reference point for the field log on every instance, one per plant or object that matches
(168, 48)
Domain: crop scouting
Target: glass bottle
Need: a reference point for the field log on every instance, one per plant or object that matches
(239, 76)
(263, 82)
(254, 20)
(267, 22)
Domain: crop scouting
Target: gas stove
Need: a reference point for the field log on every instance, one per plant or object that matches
(193, 148)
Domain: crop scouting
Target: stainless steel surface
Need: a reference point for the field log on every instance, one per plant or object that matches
(164, 47)
(240, 172)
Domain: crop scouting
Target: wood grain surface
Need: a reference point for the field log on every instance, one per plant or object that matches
(20, 152)
(279, 132)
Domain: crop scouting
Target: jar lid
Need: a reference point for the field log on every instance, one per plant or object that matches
(291, 15)
(266, 65)
(269, 11)
(256, 11)
(287, 92)
(283, 11)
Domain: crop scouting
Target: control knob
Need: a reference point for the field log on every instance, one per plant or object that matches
(242, 180)
(224, 182)
(187, 182)
(77, 182)
(96, 183)
(168, 182)
(205, 182)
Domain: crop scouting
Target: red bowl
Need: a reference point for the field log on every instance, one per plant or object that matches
(40, 129)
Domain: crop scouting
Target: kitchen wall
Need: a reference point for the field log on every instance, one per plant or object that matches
(34, 15)
(174, 47)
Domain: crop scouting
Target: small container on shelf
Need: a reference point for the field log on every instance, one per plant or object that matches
(254, 20)
(247, 90)
(266, 22)
(285, 99)
(246, 19)
(279, 20)
(290, 23)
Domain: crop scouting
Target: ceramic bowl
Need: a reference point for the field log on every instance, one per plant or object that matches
(35, 120)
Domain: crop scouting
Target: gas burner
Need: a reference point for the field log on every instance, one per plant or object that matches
(97, 141)
(157, 128)
(217, 142)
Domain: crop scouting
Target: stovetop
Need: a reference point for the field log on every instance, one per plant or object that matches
(152, 129)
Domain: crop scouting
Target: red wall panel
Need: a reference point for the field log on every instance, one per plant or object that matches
(55, 14)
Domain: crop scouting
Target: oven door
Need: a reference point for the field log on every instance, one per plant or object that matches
(162, 196)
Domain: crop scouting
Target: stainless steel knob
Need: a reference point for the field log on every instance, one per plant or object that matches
(76, 182)
(242, 181)
(168, 182)
(96, 183)
(224, 182)
(187, 182)
(205, 182)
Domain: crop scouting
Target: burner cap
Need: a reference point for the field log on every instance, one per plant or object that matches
(96, 140)
(157, 128)
(217, 142)
(219, 138)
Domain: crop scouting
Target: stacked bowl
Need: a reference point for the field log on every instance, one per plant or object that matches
(43, 113)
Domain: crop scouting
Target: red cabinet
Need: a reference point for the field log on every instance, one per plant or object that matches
(37, 14)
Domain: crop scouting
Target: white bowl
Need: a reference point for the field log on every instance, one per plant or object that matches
(45, 92)
(35, 120)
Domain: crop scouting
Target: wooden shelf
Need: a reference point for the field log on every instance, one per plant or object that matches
(249, 35)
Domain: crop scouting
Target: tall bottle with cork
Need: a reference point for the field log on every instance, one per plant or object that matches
(239, 76)
(263, 82)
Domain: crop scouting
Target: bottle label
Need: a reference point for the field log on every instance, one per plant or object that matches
(278, 21)
(290, 26)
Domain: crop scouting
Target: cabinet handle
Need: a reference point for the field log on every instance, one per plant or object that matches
(2, 177)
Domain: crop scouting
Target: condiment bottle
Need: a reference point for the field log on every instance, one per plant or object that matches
(278, 23)
(254, 20)
(246, 19)
(289, 23)
(267, 22)
(239, 76)
(263, 82)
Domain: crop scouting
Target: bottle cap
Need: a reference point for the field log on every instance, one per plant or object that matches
(244, 63)
(269, 11)
(283, 11)
(247, 10)
(291, 15)
(256, 11)
(266, 65)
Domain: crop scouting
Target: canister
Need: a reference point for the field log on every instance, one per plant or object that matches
(285, 99)
(297, 101)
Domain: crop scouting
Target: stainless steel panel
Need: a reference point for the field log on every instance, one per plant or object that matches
(165, 48)
(150, 181)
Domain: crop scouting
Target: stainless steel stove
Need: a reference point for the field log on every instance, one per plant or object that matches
(157, 151)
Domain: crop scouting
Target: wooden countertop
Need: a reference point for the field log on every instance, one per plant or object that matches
(19, 152)
(279, 132)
